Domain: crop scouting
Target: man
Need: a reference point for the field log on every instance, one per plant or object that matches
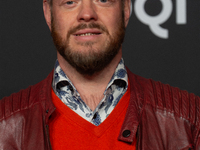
(91, 100)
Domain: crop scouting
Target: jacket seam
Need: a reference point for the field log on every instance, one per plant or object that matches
(13, 113)
(168, 111)
(172, 109)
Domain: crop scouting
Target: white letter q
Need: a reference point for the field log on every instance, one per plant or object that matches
(154, 21)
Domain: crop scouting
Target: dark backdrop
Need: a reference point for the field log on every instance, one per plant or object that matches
(28, 55)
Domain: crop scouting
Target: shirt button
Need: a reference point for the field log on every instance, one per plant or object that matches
(126, 133)
(95, 116)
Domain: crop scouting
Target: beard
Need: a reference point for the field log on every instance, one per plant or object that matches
(94, 59)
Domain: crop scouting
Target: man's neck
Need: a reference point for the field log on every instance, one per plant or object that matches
(90, 88)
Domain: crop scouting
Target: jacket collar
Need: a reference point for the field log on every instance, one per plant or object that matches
(132, 118)
(45, 96)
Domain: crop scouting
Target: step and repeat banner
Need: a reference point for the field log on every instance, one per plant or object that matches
(162, 42)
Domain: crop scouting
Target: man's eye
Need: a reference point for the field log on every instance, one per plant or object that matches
(103, 1)
(69, 2)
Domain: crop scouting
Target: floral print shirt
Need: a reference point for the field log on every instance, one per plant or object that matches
(68, 94)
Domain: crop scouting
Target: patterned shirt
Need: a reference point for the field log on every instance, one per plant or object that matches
(68, 94)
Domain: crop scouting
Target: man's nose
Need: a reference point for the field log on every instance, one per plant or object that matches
(87, 11)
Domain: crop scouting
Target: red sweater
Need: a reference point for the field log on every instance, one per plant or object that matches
(70, 131)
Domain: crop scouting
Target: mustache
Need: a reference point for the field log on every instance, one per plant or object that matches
(84, 26)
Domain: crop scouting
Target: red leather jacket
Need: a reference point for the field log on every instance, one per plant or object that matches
(159, 116)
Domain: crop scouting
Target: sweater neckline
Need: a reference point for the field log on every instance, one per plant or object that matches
(118, 112)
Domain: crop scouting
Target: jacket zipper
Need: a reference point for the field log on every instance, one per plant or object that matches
(48, 138)
(137, 138)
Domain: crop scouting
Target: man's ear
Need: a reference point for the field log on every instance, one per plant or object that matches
(47, 12)
(127, 11)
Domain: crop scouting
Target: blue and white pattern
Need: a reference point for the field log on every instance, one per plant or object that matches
(68, 94)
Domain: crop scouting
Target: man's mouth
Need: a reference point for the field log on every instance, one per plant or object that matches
(87, 34)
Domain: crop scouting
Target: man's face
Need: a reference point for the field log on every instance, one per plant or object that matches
(87, 33)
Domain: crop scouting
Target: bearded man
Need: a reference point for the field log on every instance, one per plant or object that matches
(91, 100)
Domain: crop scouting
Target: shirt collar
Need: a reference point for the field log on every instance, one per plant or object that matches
(60, 79)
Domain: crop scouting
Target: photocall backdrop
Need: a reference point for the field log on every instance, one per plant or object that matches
(162, 42)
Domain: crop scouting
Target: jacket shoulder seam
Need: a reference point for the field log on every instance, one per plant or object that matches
(22, 100)
(172, 99)
(17, 111)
